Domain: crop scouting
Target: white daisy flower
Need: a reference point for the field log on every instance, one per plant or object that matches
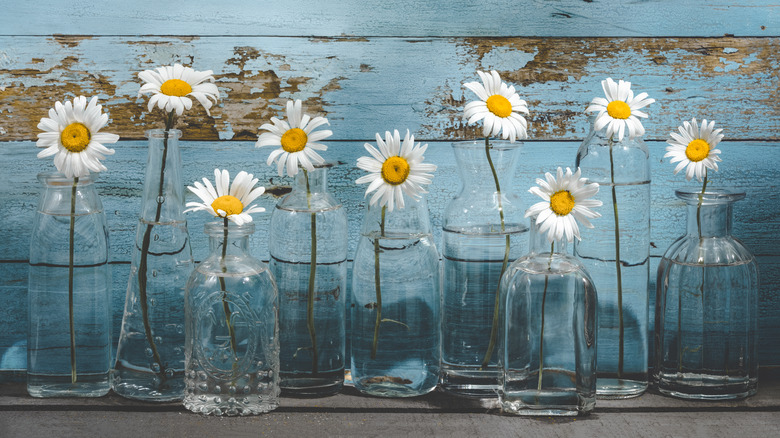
(694, 147)
(395, 169)
(231, 203)
(297, 141)
(620, 110)
(71, 133)
(566, 201)
(172, 85)
(499, 106)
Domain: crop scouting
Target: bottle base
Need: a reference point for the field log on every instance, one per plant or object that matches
(306, 385)
(705, 387)
(380, 387)
(220, 406)
(469, 382)
(44, 386)
(147, 386)
(565, 403)
(617, 389)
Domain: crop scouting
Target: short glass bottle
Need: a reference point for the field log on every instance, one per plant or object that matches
(231, 329)
(69, 331)
(395, 303)
(547, 346)
(309, 229)
(706, 322)
(617, 255)
(483, 231)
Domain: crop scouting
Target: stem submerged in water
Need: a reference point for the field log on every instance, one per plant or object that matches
(541, 332)
(377, 285)
(618, 269)
(71, 256)
(225, 304)
(312, 278)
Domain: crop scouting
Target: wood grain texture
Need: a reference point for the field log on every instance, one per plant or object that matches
(365, 85)
(398, 18)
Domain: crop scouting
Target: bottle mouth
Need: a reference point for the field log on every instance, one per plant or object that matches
(160, 133)
(710, 196)
(58, 179)
(235, 230)
(500, 145)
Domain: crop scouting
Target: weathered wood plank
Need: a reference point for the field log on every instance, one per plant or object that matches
(397, 18)
(362, 84)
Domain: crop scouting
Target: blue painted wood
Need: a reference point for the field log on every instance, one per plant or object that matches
(418, 18)
(757, 221)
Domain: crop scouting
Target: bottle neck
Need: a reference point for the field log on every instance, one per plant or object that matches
(232, 240)
(475, 168)
(315, 181)
(709, 214)
(539, 243)
(58, 195)
(412, 220)
(163, 199)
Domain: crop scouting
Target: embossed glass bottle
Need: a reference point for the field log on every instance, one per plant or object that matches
(483, 232)
(706, 311)
(308, 245)
(548, 337)
(232, 342)
(617, 255)
(395, 303)
(69, 331)
(150, 355)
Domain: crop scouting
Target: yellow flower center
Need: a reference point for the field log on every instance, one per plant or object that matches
(294, 140)
(75, 137)
(617, 109)
(228, 204)
(175, 87)
(395, 170)
(697, 150)
(562, 203)
(499, 105)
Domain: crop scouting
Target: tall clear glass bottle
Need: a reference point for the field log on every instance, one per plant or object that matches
(69, 331)
(706, 311)
(308, 245)
(483, 232)
(232, 342)
(617, 254)
(395, 303)
(547, 353)
(150, 355)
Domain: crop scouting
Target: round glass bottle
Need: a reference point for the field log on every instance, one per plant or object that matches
(69, 331)
(617, 255)
(547, 353)
(706, 321)
(483, 231)
(308, 245)
(232, 342)
(395, 303)
(150, 355)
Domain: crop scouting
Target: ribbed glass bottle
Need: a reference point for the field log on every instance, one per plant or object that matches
(232, 342)
(706, 311)
(395, 303)
(150, 355)
(547, 352)
(308, 245)
(69, 331)
(483, 232)
(616, 253)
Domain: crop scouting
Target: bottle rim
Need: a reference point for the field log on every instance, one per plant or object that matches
(497, 144)
(710, 196)
(59, 179)
(217, 229)
(160, 133)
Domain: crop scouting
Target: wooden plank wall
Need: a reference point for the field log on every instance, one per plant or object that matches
(370, 66)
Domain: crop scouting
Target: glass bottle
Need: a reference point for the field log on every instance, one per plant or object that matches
(232, 342)
(150, 355)
(547, 354)
(69, 331)
(617, 255)
(483, 232)
(706, 314)
(395, 303)
(311, 301)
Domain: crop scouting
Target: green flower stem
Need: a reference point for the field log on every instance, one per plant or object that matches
(70, 280)
(541, 332)
(312, 277)
(143, 263)
(225, 304)
(618, 269)
(377, 285)
(494, 328)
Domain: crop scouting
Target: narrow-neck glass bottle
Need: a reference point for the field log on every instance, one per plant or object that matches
(308, 245)
(706, 311)
(232, 342)
(69, 331)
(150, 355)
(617, 255)
(548, 337)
